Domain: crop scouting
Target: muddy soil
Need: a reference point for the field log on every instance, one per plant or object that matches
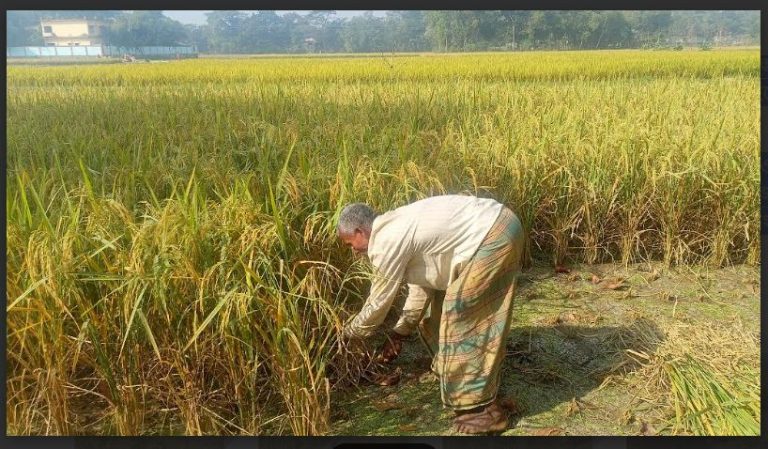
(570, 365)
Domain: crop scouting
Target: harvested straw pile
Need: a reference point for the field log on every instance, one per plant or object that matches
(707, 379)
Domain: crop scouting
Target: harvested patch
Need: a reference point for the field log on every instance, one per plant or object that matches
(596, 364)
(710, 377)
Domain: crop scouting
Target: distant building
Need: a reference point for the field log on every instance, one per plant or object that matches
(73, 32)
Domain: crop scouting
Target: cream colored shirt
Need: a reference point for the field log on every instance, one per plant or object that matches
(426, 243)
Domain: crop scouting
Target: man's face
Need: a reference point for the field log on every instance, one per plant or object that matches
(358, 241)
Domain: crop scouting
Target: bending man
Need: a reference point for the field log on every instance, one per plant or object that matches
(469, 247)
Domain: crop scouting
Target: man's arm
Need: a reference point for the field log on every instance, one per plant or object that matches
(383, 289)
(418, 298)
(413, 309)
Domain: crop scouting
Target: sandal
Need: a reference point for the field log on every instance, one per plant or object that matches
(491, 418)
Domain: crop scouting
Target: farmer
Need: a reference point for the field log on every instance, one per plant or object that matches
(467, 246)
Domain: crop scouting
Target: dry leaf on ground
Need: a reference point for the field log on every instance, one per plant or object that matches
(386, 406)
(615, 284)
(385, 379)
(573, 408)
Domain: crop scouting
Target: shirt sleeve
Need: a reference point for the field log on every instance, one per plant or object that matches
(384, 286)
(418, 298)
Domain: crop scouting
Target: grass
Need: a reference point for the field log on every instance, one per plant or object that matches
(172, 264)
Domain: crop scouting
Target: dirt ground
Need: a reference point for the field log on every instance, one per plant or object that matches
(575, 352)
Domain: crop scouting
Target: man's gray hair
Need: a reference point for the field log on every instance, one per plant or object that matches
(355, 216)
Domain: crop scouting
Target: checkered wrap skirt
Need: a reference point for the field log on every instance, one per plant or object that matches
(466, 330)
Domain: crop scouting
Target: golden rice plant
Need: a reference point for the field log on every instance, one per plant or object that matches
(172, 261)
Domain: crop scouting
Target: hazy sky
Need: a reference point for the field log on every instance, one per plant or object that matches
(198, 17)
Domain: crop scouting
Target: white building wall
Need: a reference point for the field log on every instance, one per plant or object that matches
(71, 32)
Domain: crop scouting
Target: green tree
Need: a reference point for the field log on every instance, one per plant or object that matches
(458, 30)
(651, 27)
(513, 24)
(303, 36)
(578, 28)
(198, 35)
(546, 29)
(615, 31)
(364, 34)
(145, 28)
(23, 29)
(265, 32)
(327, 30)
(405, 31)
(225, 30)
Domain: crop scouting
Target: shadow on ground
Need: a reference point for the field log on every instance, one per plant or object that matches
(578, 345)
(548, 366)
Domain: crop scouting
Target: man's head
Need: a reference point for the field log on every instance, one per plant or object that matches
(354, 227)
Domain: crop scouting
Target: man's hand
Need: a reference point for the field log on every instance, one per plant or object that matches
(391, 347)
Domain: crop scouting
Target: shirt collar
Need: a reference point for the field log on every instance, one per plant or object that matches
(374, 229)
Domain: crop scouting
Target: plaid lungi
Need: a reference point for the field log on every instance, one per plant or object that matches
(466, 330)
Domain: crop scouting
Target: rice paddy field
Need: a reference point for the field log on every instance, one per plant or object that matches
(173, 269)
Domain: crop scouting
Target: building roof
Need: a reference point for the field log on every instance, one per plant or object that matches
(71, 20)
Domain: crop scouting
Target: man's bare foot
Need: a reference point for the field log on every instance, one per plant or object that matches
(492, 418)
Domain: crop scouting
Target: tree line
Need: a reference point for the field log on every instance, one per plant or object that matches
(238, 32)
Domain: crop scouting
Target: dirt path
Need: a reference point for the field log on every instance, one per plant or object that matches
(580, 354)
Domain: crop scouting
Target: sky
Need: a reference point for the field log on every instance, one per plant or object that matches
(198, 17)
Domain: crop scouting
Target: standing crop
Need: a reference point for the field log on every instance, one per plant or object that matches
(172, 262)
